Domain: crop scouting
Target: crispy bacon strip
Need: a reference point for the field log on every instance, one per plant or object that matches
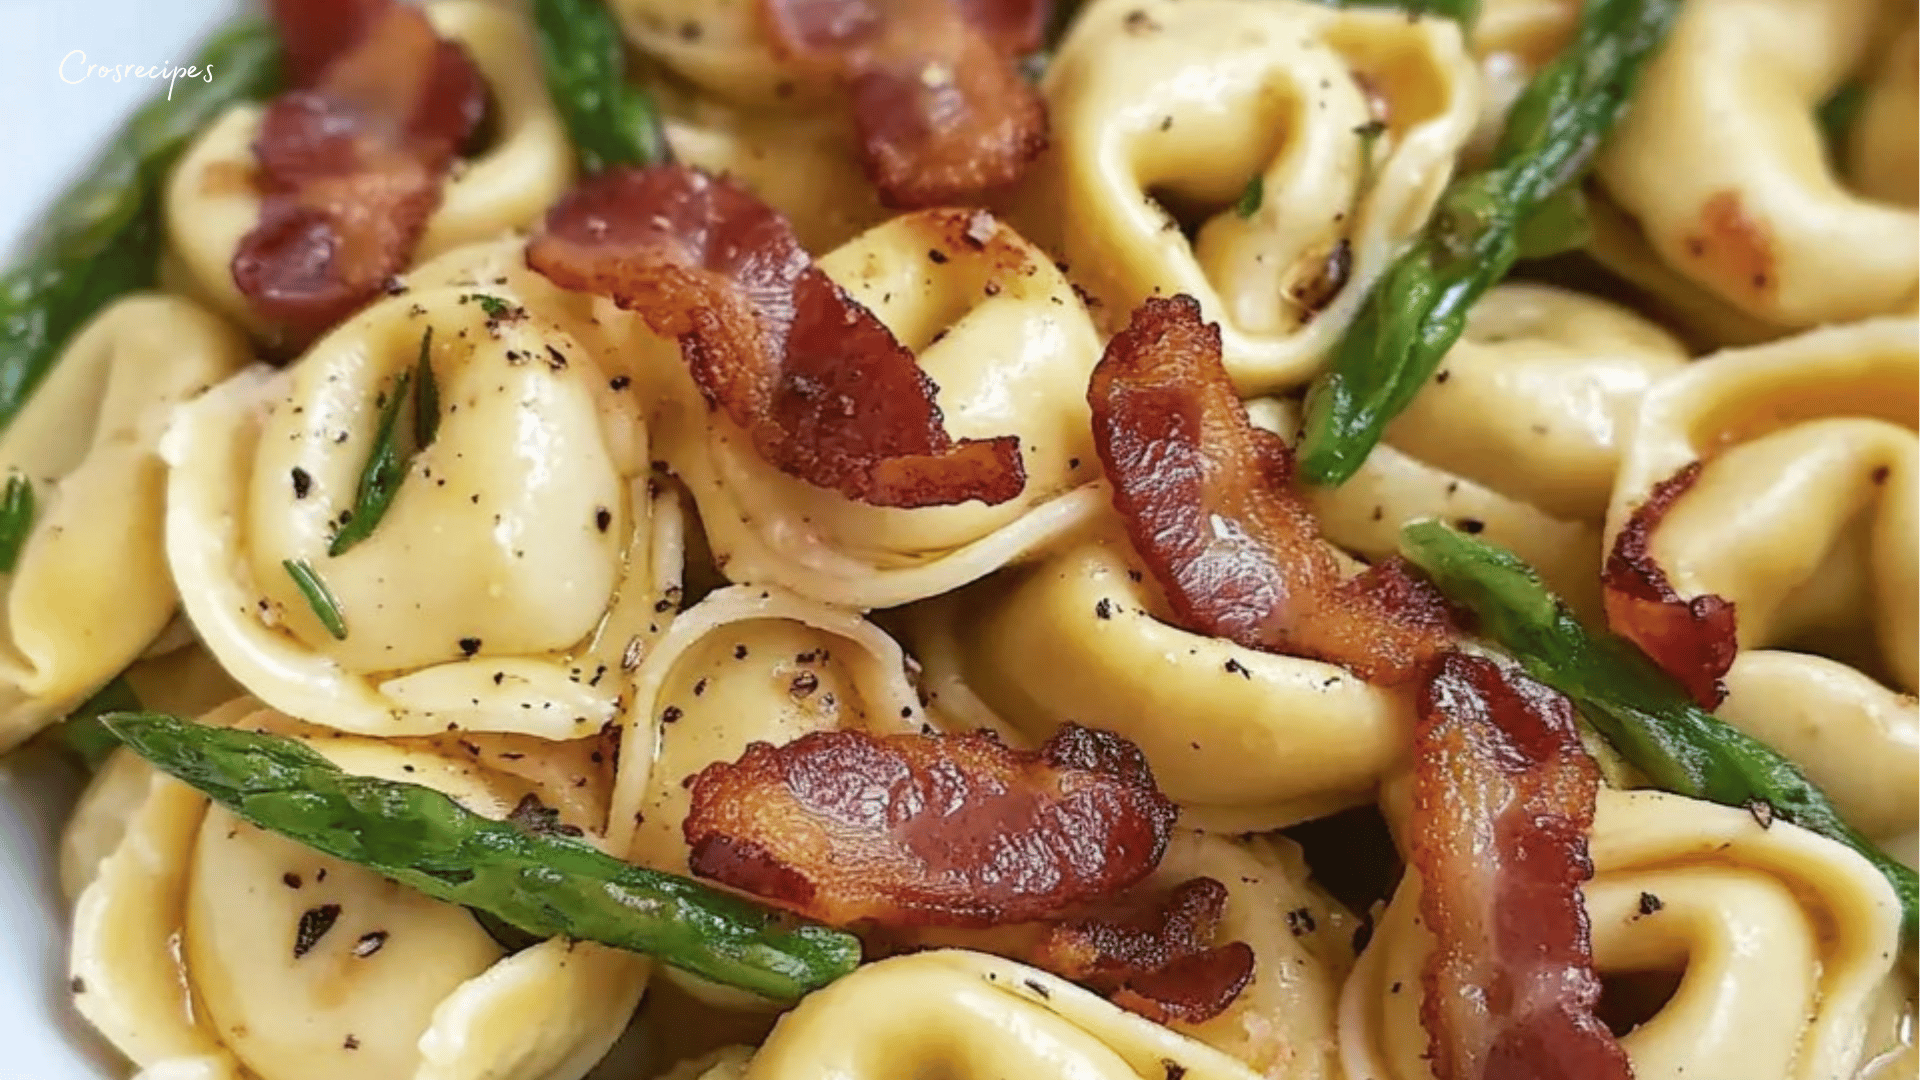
(823, 389)
(351, 162)
(1208, 501)
(930, 830)
(1503, 799)
(1692, 640)
(941, 108)
(1154, 954)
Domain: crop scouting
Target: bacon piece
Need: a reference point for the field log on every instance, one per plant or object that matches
(1153, 955)
(1208, 501)
(821, 386)
(1503, 799)
(1692, 640)
(351, 162)
(942, 111)
(930, 830)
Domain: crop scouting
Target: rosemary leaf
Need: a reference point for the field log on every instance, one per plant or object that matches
(381, 476)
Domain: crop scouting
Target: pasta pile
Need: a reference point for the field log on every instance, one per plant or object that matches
(456, 453)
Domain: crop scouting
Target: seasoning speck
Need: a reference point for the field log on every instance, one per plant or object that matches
(469, 646)
(302, 483)
(291, 880)
(314, 924)
(1649, 903)
(369, 943)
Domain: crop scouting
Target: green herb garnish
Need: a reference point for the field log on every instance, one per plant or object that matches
(319, 597)
(1251, 196)
(380, 477)
(16, 520)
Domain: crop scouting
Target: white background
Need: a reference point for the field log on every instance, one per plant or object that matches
(52, 129)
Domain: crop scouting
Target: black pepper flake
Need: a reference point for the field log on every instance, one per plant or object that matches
(370, 943)
(350, 1043)
(556, 359)
(1472, 526)
(1650, 903)
(1103, 609)
(540, 819)
(602, 518)
(302, 483)
(77, 985)
(739, 652)
(1443, 376)
(939, 257)
(671, 714)
(662, 606)
(469, 646)
(1880, 475)
(322, 875)
(619, 382)
(699, 687)
(1762, 812)
(1235, 667)
(1300, 921)
(499, 677)
(806, 682)
(906, 712)
(314, 924)
(1039, 989)
(291, 880)
(1175, 1070)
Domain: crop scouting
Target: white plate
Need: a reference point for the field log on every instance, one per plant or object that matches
(54, 127)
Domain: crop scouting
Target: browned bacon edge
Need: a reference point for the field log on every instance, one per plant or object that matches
(1694, 639)
(822, 388)
(1503, 801)
(941, 109)
(930, 830)
(1208, 501)
(1153, 954)
(351, 161)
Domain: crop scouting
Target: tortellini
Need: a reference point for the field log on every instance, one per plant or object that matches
(1805, 516)
(1341, 125)
(529, 554)
(1721, 163)
(1242, 740)
(966, 1016)
(720, 46)
(1781, 942)
(1004, 337)
(1516, 437)
(211, 202)
(1883, 147)
(206, 947)
(90, 592)
(1805, 513)
(745, 665)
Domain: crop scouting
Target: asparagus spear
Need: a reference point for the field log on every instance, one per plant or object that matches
(612, 122)
(1417, 310)
(102, 239)
(543, 883)
(82, 733)
(1636, 706)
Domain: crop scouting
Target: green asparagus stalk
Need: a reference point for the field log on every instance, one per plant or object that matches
(103, 238)
(612, 122)
(1419, 307)
(84, 735)
(540, 882)
(1637, 707)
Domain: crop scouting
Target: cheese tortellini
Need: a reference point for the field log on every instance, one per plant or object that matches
(211, 202)
(1721, 163)
(968, 1016)
(1004, 337)
(1242, 740)
(1516, 437)
(89, 590)
(1308, 143)
(204, 947)
(1776, 943)
(529, 554)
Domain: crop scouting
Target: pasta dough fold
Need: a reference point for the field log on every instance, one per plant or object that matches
(1721, 163)
(1244, 741)
(90, 591)
(208, 946)
(1348, 120)
(1781, 941)
(211, 201)
(528, 556)
(1002, 334)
